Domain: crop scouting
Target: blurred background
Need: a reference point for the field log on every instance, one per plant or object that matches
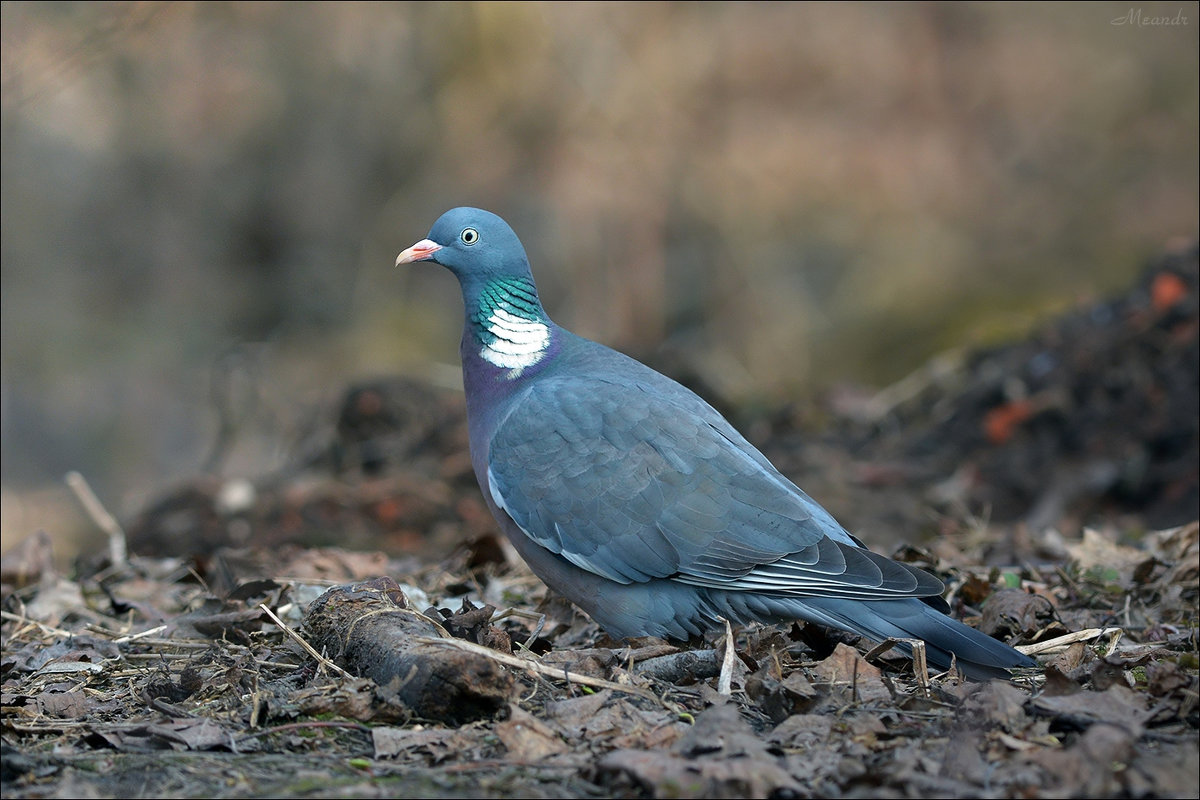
(202, 202)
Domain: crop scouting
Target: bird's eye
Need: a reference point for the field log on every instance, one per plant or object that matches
(469, 236)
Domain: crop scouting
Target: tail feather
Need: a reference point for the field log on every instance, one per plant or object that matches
(978, 655)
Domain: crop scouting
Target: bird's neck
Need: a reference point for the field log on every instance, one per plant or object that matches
(506, 327)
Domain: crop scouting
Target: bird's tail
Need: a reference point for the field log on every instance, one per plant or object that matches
(978, 655)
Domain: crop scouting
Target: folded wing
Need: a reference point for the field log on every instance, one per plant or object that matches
(631, 483)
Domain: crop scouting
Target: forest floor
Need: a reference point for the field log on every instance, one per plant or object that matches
(1051, 483)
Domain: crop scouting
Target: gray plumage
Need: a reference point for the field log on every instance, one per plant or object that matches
(630, 495)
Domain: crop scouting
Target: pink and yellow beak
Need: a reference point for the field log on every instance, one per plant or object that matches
(421, 251)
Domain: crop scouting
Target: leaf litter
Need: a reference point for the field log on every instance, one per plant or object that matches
(310, 641)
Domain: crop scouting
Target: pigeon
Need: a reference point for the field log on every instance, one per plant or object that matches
(632, 497)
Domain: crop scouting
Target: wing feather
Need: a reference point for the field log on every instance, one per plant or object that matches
(635, 484)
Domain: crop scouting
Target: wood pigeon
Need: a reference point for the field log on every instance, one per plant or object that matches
(631, 496)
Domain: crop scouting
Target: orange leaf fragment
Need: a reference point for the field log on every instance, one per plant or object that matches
(1166, 290)
(1000, 422)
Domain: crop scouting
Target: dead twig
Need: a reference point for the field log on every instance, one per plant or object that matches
(677, 667)
(143, 635)
(539, 668)
(296, 726)
(298, 639)
(1062, 642)
(920, 665)
(117, 552)
(33, 623)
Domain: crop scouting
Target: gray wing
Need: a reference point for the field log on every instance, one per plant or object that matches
(635, 483)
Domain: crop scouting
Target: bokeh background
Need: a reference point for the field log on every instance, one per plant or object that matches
(201, 202)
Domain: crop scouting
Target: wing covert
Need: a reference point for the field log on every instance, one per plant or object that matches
(633, 487)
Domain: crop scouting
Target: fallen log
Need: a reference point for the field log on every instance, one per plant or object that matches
(369, 629)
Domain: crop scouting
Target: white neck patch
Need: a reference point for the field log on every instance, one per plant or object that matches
(517, 343)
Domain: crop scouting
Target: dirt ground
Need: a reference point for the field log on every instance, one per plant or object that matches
(353, 626)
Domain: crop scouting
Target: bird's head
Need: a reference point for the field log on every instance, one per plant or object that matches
(471, 243)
